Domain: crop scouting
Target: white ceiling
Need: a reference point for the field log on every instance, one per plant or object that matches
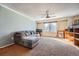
(37, 10)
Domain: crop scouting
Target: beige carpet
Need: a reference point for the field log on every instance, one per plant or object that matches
(53, 47)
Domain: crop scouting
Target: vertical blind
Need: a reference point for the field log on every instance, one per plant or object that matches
(50, 27)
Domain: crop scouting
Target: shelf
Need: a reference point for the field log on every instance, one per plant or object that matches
(76, 33)
(69, 32)
(75, 26)
(72, 32)
(77, 38)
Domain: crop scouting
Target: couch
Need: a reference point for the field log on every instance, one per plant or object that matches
(26, 38)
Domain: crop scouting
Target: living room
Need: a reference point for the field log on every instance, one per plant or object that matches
(39, 29)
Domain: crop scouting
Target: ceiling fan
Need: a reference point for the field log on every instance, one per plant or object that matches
(48, 15)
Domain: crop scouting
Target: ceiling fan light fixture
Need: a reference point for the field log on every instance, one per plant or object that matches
(47, 16)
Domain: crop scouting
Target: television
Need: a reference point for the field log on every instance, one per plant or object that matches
(38, 30)
(70, 29)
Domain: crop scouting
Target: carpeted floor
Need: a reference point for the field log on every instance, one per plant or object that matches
(54, 47)
(46, 47)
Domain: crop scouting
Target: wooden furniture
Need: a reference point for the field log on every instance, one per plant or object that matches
(69, 36)
(60, 33)
(73, 34)
(76, 29)
(76, 34)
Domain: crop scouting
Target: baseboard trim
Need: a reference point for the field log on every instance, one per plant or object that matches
(7, 45)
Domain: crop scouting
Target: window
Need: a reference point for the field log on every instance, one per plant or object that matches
(50, 27)
(46, 27)
(53, 27)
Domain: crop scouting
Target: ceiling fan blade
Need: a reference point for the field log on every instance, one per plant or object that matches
(53, 16)
(48, 14)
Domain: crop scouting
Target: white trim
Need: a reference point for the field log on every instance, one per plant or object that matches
(7, 45)
(16, 12)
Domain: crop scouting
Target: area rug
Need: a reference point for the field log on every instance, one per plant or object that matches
(53, 47)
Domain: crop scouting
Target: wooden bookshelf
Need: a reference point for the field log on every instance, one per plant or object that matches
(74, 35)
(76, 30)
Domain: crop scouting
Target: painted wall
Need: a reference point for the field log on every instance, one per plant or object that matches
(62, 25)
(11, 22)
